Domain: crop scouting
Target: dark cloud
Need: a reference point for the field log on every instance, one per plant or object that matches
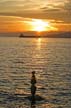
(51, 7)
(57, 7)
(58, 11)
(67, 5)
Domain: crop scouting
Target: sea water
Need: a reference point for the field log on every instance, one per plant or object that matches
(50, 58)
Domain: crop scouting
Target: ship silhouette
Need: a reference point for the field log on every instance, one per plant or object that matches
(21, 35)
(30, 36)
(48, 35)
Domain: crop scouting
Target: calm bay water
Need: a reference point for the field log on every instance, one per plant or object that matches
(50, 58)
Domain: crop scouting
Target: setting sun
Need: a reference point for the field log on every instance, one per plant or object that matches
(42, 25)
(39, 25)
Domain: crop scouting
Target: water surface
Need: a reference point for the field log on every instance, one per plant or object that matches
(49, 57)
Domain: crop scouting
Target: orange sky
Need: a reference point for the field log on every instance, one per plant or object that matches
(31, 15)
(20, 24)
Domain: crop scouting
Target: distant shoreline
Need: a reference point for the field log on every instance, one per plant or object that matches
(33, 37)
(43, 35)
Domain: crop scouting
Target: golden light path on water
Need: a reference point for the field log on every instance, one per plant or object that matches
(39, 43)
(38, 55)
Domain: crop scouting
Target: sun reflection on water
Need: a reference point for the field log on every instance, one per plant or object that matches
(39, 43)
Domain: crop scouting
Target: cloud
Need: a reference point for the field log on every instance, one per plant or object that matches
(59, 10)
(10, 19)
(14, 24)
(20, 24)
(52, 9)
(18, 4)
(67, 6)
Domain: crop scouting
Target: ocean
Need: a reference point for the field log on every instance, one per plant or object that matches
(50, 58)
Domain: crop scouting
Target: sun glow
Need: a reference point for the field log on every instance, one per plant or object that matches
(39, 25)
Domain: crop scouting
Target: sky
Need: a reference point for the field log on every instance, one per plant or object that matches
(21, 15)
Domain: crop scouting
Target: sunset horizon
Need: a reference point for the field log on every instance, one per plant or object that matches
(21, 24)
(23, 15)
(35, 53)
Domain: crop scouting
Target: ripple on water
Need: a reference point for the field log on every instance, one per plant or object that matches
(52, 63)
